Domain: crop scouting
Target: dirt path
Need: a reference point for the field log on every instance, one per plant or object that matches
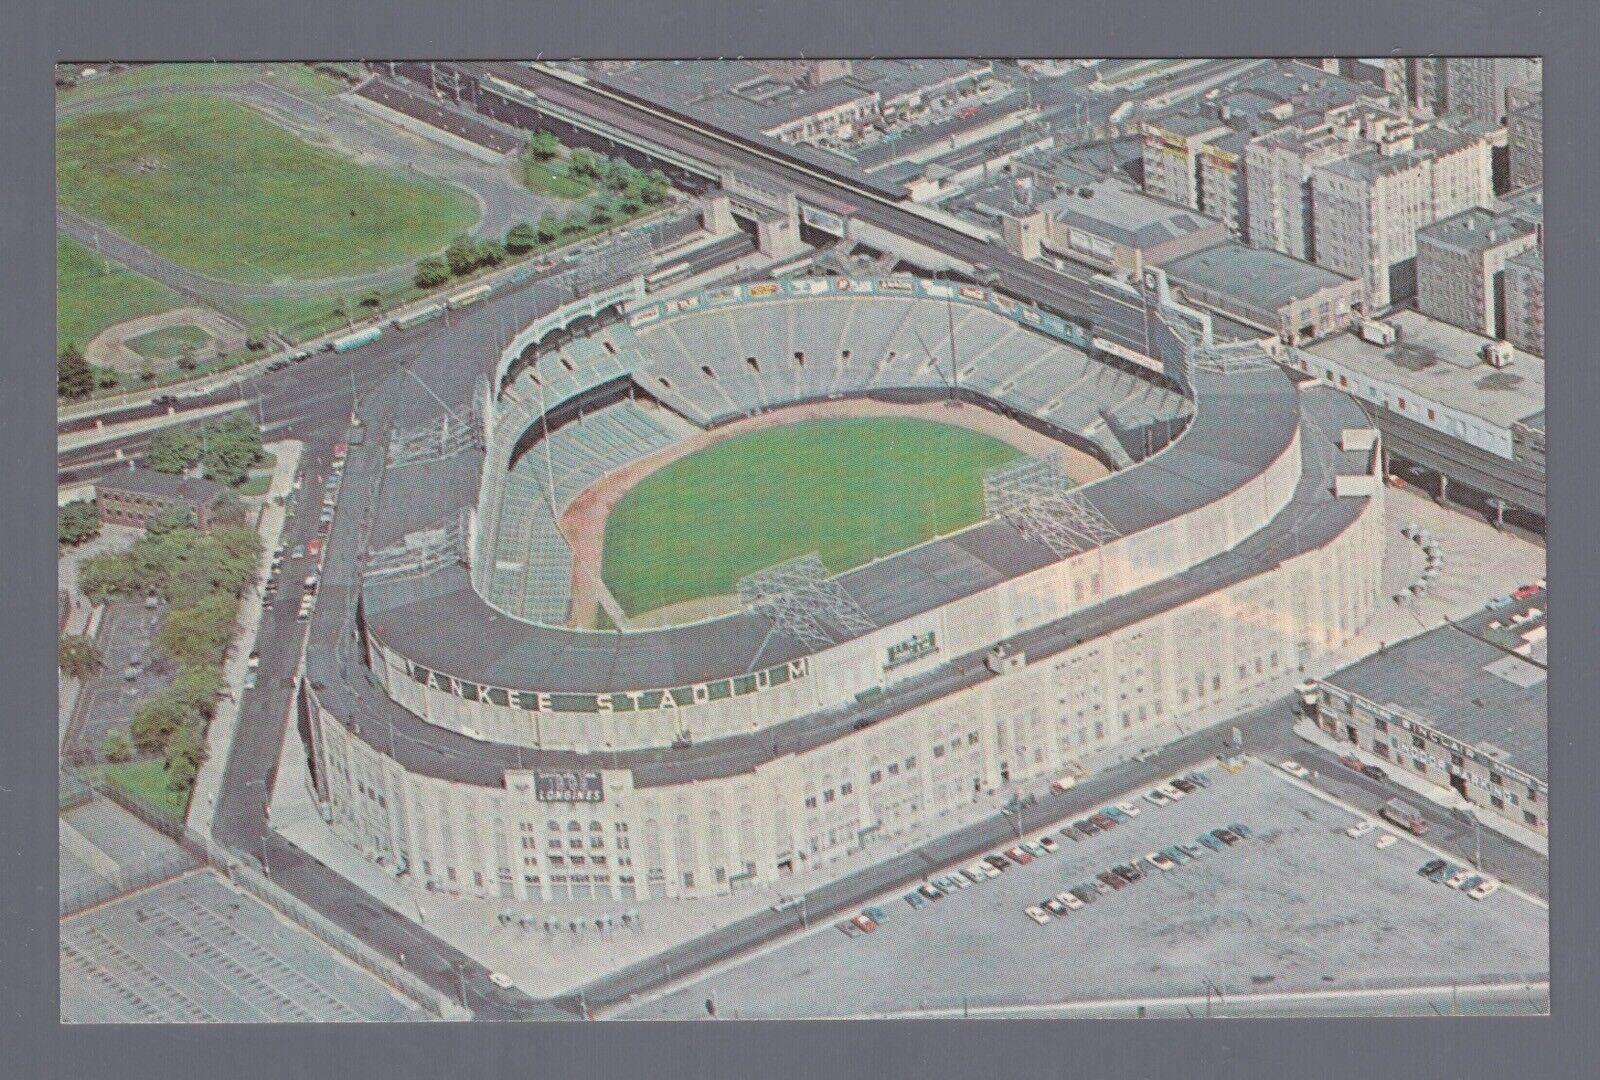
(110, 347)
(584, 521)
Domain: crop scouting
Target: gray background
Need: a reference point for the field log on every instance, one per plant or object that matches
(37, 33)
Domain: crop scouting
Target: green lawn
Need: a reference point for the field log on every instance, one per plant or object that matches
(217, 187)
(550, 178)
(146, 782)
(851, 489)
(169, 342)
(90, 296)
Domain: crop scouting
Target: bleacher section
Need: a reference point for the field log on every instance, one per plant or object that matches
(532, 571)
(718, 364)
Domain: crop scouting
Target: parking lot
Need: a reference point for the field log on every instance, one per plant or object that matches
(1298, 906)
(109, 699)
(195, 951)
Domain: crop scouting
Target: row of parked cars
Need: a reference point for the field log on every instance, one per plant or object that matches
(1122, 875)
(1105, 819)
(1462, 878)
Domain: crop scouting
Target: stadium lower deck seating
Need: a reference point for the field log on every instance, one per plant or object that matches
(719, 364)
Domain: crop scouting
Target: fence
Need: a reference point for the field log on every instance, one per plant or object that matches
(154, 869)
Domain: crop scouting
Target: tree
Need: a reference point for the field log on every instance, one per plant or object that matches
(619, 175)
(543, 146)
(74, 378)
(431, 273)
(490, 253)
(170, 519)
(548, 229)
(154, 721)
(173, 451)
(630, 206)
(372, 300)
(77, 521)
(106, 379)
(232, 444)
(105, 576)
(186, 750)
(117, 747)
(520, 238)
(655, 187)
(600, 215)
(585, 164)
(461, 256)
(186, 359)
(200, 634)
(78, 658)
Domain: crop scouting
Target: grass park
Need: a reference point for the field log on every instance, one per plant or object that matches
(93, 294)
(244, 186)
(851, 489)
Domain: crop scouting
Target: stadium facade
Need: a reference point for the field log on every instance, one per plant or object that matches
(466, 738)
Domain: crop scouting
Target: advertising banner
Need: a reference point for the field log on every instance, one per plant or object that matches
(568, 786)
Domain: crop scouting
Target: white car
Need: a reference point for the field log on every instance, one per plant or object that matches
(1387, 840)
(1295, 769)
(1458, 879)
(1072, 902)
(1129, 809)
(1160, 861)
(500, 979)
(1170, 792)
(1359, 829)
(1038, 914)
(985, 869)
(1484, 888)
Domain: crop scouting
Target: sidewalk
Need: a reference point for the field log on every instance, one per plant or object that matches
(77, 440)
(219, 735)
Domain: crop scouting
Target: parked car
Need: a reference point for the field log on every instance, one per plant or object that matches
(1374, 772)
(1443, 873)
(1459, 878)
(1071, 833)
(1352, 763)
(1070, 900)
(249, 680)
(865, 924)
(1198, 778)
(254, 660)
(299, 552)
(1194, 851)
(1158, 797)
(1127, 872)
(1050, 844)
(164, 401)
(1484, 888)
(1019, 856)
(1170, 792)
(1176, 854)
(1112, 880)
(1037, 914)
(1225, 836)
(1160, 861)
(1087, 893)
(998, 862)
(1100, 886)
(1432, 866)
(1185, 785)
(1087, 827)
(1129, 809)
(932, 892)
(915, 899)
(1240, 831)
(1054, 907)
(1115, 815)
(1387, 840)
(500, 979)
(985, 870)
(876, 914)
(1295, 769)
(1211, 841)
(1106, 823)
(1035, 849)
(1359, 829)
(848, 928)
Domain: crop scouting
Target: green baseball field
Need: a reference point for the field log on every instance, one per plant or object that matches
(852, 489)
(215, 186)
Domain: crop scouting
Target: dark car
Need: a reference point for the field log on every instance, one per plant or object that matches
(1432, 866)
(1241, 831)
(1054, 906)
(1211, 841)
(1225, 836)
(999, 862)
(1198, 778)
(932, 892)
(1352, 763)
(1071, 833)
(915, 899)
(1087, 827)
(1188, 787)
(1087, 893)
(165, 400)
(1127, 873)
(1112, 880)
(1106, 823)
(1374, 772)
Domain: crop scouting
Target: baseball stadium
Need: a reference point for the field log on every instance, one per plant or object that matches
(723, 587)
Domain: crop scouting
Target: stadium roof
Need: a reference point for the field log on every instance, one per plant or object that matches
(1462, 682)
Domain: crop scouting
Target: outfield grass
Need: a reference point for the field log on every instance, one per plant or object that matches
(851, 489)
(90, 297)
(169, 342)
(216, 187)
(146, 782)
